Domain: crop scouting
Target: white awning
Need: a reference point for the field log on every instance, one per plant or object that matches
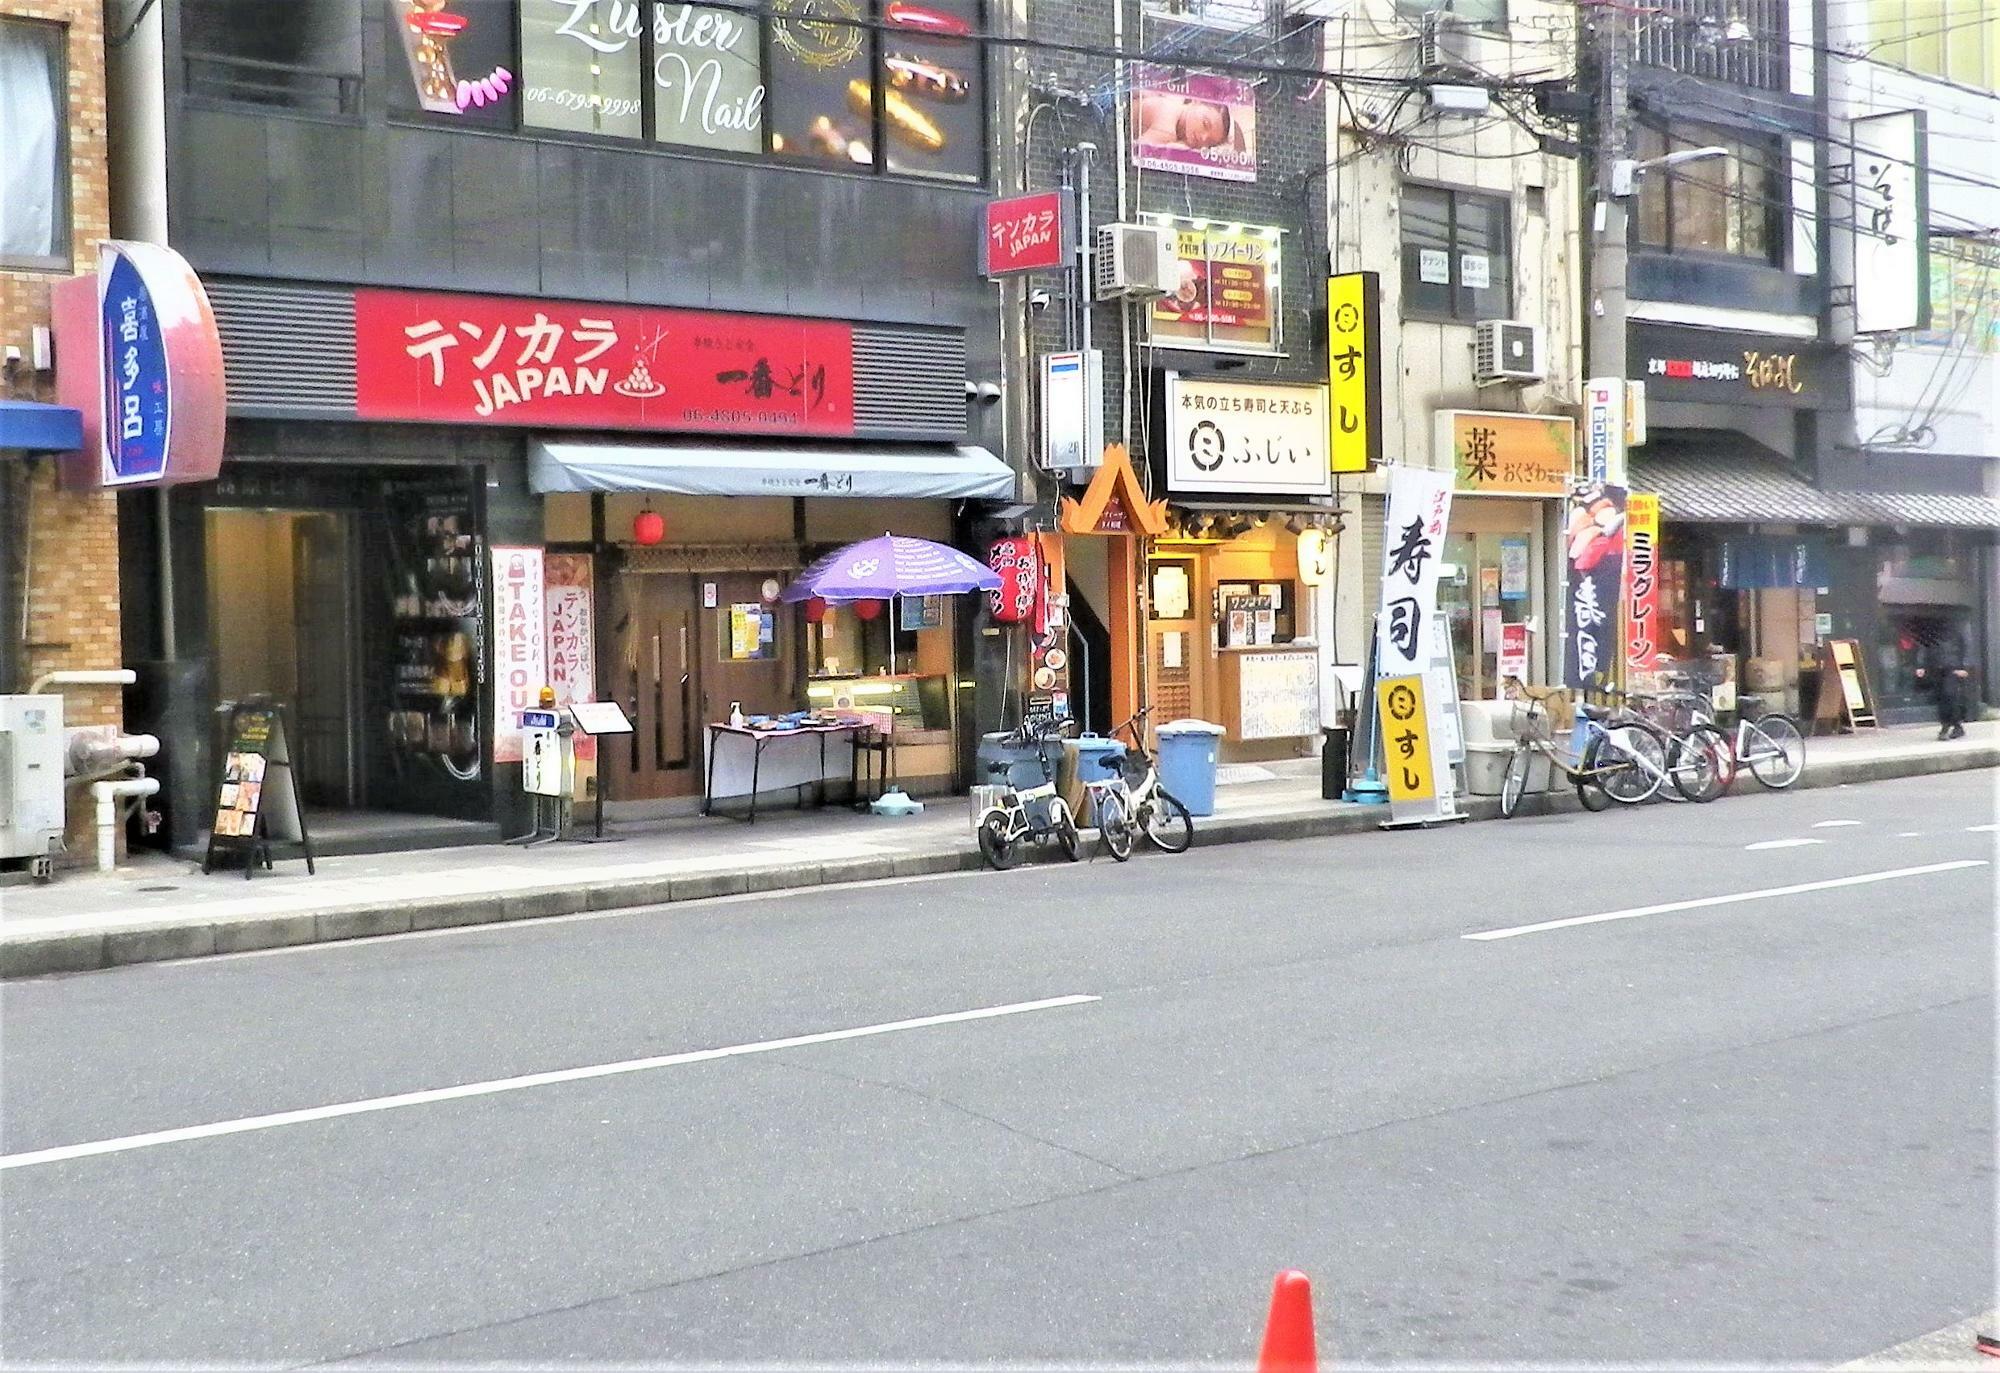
(770, 469)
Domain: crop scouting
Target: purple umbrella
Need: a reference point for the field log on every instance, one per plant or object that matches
(878, 569)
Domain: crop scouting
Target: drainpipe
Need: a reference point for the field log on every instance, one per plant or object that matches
(109, 795)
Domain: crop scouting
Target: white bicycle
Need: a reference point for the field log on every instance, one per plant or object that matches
(1010, 815)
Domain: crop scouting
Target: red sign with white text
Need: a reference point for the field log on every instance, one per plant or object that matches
(1026, 233)
(556, 364)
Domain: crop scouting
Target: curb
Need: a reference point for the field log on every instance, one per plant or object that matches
(86, 951)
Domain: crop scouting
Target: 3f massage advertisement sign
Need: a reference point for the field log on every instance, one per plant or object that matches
(427, 356)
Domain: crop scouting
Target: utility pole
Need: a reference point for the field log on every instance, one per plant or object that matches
(1609, 31)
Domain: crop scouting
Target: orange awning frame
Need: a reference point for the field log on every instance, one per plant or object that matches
(1116, 477)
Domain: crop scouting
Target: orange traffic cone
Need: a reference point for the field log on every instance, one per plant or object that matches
(1288, 1334)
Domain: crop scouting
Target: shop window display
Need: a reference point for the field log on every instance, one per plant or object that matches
(894, 659)
(874, 85)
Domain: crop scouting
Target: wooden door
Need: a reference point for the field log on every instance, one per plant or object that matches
(656, 677)
(766, 682)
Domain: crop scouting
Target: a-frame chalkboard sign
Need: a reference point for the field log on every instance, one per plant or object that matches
(257, 800)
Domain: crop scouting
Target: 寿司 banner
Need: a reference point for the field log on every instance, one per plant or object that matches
(1412, 547)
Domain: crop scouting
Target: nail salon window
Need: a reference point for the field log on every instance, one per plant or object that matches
(859, 85)
(581, 66)
(34, 154)
(905, 94)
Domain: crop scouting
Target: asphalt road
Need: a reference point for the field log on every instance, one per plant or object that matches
(1751, 1130)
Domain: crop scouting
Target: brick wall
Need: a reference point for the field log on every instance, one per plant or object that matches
(71, 542)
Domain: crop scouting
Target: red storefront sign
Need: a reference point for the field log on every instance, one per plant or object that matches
(1026, 233)
(556, 364)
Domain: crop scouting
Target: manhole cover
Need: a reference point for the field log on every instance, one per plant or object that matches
(159, 889)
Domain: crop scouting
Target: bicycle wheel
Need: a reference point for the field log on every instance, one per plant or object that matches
(996, 845)
(1634, 763)
(1699, 762)
(1515, 784)
(1068, 839)
(1114, 825)
(1777, 751)
(1167, 825)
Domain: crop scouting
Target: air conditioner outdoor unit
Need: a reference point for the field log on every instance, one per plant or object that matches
(1508, 350)
(1441, 43)
(1135, 261)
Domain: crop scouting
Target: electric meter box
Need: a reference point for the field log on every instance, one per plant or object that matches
(31, 776)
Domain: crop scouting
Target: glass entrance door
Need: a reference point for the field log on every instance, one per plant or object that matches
(1491, 553)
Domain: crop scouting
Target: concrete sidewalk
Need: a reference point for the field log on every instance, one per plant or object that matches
(158, 908)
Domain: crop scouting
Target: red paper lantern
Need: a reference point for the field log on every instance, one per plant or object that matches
(867, 610)
(815, 610)
(648, 528)
(1018, 560)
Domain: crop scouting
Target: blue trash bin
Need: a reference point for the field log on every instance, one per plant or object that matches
(1096, 759)
(1188, 752)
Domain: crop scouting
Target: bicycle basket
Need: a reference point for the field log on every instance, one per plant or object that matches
(985, 798)
(1531, 722)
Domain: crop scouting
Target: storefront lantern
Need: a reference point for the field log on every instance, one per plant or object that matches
(868, 610)
(648, 528)
(1019, 563)
(816, 609)
(1315, 557)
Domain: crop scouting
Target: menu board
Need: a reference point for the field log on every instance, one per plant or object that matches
(1224, 294)
(1278, 696)
(257, 799)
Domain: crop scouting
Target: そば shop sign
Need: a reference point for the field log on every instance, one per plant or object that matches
(520, 645)
(426, 356)
(1027, 233)
(1244, 437)
(153, 405)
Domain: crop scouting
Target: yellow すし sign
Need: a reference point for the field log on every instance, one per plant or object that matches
(1406, 741)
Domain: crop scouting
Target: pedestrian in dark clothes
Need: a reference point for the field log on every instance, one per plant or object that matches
(1949, 673)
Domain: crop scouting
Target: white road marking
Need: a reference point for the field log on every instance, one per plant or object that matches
(64, 1153)
(1834, 824)
(1730, 899)
(1782, 844)
(1981, 829)
(1909, 834)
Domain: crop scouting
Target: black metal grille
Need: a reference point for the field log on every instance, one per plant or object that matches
(1743, 42)
(286, 350)
(909, 383)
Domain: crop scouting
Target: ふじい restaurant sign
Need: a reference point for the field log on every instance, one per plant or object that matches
(441, 358)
